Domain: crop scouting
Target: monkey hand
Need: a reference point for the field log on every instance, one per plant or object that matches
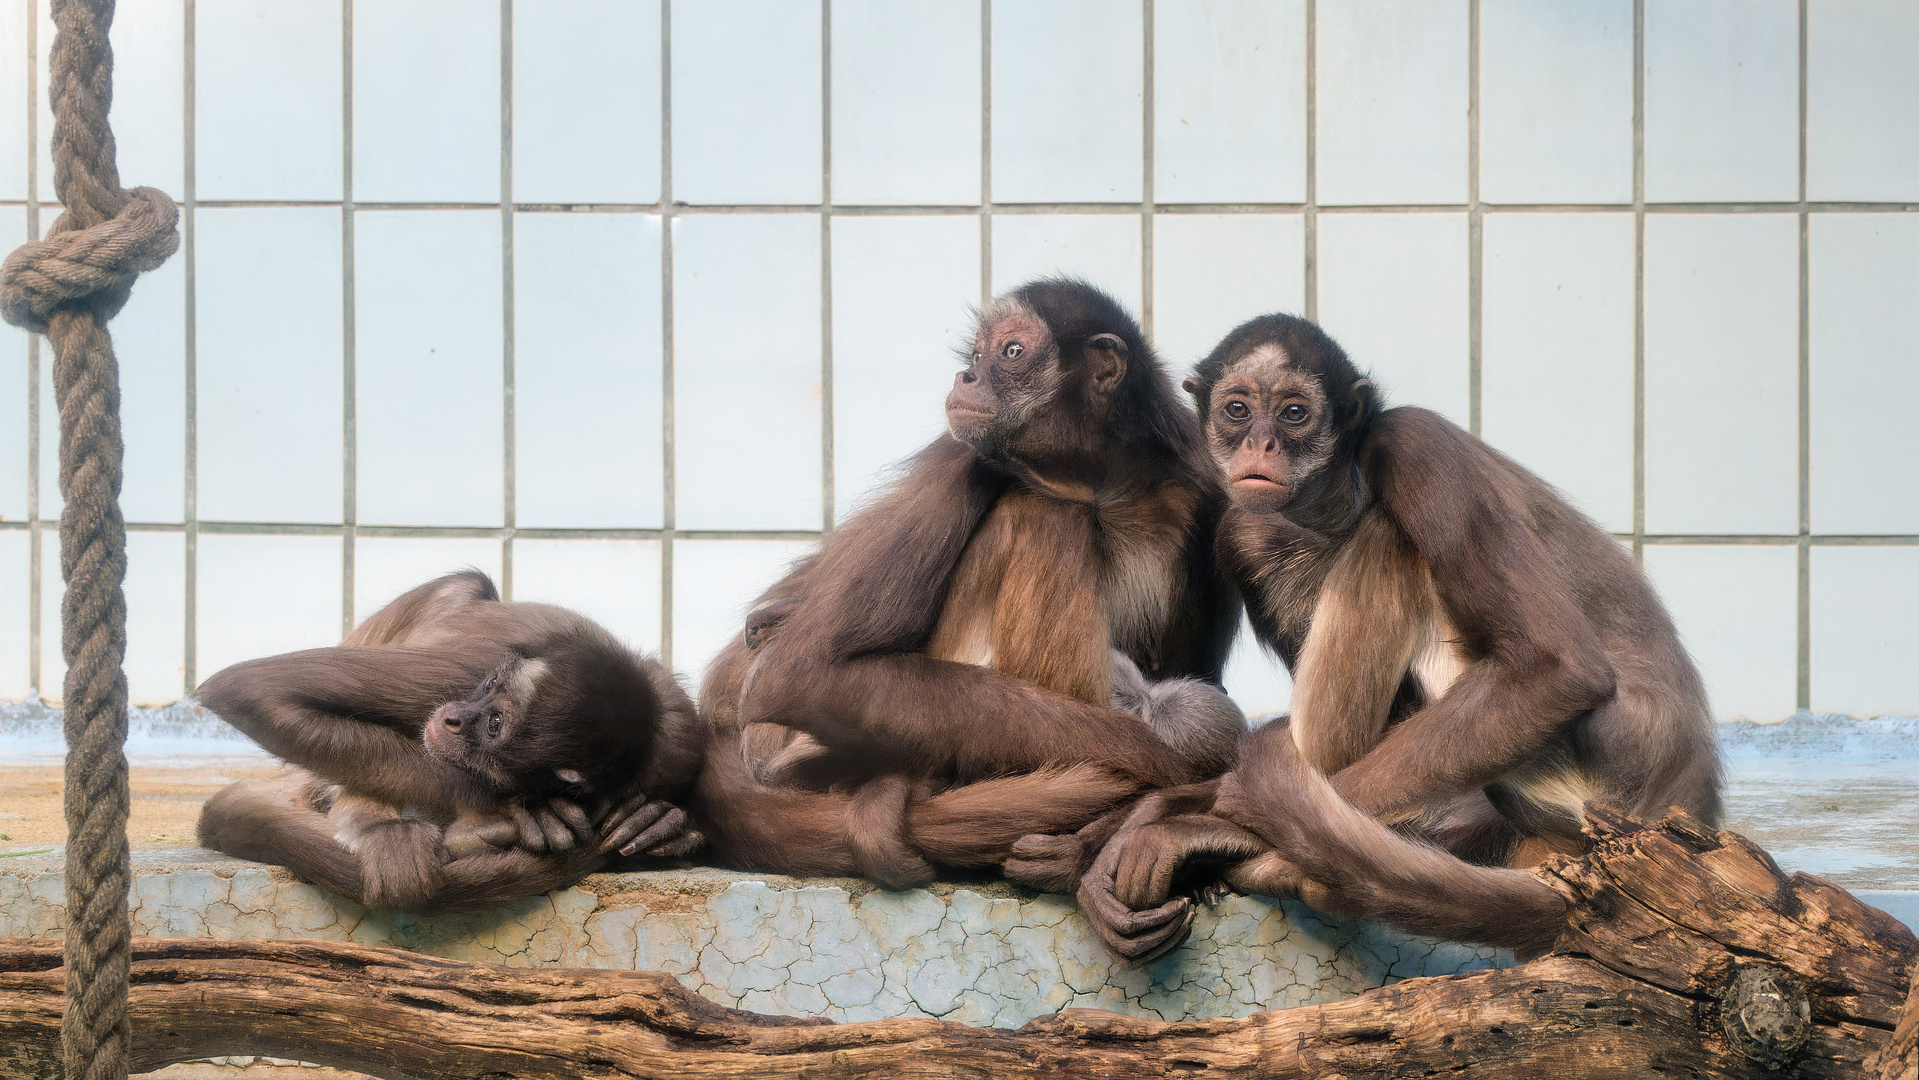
(546, 824)
(1133, 936)
(400, 861)
(654, 826)
(1055, 862)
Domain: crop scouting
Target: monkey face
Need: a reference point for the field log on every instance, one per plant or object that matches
(1025, 395)
(1269, 428)
(482, 732)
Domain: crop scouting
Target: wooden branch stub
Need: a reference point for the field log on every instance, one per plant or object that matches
(1766, 1014)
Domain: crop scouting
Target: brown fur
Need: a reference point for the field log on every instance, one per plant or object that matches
(1473, 660)
(955, 638)
(395, 800)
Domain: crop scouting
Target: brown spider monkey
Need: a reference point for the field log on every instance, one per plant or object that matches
(456, 751)
(1023, 633)
(1473, 662)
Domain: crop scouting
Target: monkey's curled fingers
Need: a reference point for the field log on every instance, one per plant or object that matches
(1133, 936)
(1152, 857)
(540, 824)
(641, 824)
(1048, 862)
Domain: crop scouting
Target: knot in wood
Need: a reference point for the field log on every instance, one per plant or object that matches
(1766, 1013)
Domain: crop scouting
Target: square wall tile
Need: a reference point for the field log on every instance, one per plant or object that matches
(1212, 272)
(1392, 101)
(17, 77)
(386, 566)
(1722, 373)
(267, 112)
(15, 601)
(1556, 354)
(746, 371)
(1393, 292)
(587, 387)
(904, 289)
(150, 343)
(156, 592)
(1722, 100)
(14, 399)
(1863, 634)
(1256, 679)
(1737, 609)
(616, 583)
(1865, 373)
(1229, 101)
(746, 101)
(586, 101)
(714, 583)
(1068, 80)
(262, 595)
(427, 374)
(426, 121)
(1555, 101)
(268, 355)
(906, 101)
(1101, 248)
(1862, 131)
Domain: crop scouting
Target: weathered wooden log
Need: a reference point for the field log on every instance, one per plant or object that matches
(1686, 952)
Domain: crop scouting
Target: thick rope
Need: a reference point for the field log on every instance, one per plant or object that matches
(67, 286)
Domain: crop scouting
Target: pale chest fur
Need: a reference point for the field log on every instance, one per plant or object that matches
(1047, 586)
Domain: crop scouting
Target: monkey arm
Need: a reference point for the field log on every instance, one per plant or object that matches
(354, 716)
(952, 718)
(1538, 661)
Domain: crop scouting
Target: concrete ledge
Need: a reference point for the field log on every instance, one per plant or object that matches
(988, 954)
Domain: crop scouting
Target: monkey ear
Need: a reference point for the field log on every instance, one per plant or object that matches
(1106, 355)
(570, 776)
(1365, 403)
(1190, 385)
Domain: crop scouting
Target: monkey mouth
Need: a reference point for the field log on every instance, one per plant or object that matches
(1257, 482)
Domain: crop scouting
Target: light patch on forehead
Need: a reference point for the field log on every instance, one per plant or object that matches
(1004, 308)
(526, 679)
(1264, 365)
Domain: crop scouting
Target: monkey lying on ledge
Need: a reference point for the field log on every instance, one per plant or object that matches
(443, 753)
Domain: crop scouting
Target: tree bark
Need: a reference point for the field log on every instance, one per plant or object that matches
(1685, 952)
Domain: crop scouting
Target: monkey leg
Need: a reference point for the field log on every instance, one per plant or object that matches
(275, 821)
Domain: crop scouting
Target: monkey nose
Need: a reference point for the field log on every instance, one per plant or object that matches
(448, 716)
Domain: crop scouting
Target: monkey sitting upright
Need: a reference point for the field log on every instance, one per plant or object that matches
(1473, 662)
(441, 754)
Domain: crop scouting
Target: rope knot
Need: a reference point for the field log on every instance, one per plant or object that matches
(89, 268)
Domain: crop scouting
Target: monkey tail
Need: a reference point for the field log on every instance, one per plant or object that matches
(1368, 869)
(977, 824)
(759, 826)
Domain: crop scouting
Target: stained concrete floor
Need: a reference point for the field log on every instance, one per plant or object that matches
(1828, 795)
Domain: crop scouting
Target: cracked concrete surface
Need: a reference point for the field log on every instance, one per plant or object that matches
(986, 954)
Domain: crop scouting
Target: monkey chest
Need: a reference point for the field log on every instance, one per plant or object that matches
(1047, 587)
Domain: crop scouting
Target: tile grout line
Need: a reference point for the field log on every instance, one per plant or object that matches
(509, 344)
(669, 464)
(1309, 211)
(1803, 600)
(1639, 281)
(1475, 233)
(349, 335)
(1148, 136)
(34, 540)
(985, 208)
(190, 495)
(827, 488)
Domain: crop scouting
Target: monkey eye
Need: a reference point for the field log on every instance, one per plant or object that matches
(1237, 410)
(1293, 414)
(493, 726)
(1012, 350)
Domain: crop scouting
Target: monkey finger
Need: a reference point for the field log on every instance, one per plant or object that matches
(1134, 936)
(669, 826)
(1145, 873)
(624, 832)
(532, 837)
(610, 815)
(685, 844)
(558, 836)
(572, 813)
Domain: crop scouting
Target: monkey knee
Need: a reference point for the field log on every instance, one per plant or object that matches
(400, 864)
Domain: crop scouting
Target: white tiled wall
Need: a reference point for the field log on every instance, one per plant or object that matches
(644, 383)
